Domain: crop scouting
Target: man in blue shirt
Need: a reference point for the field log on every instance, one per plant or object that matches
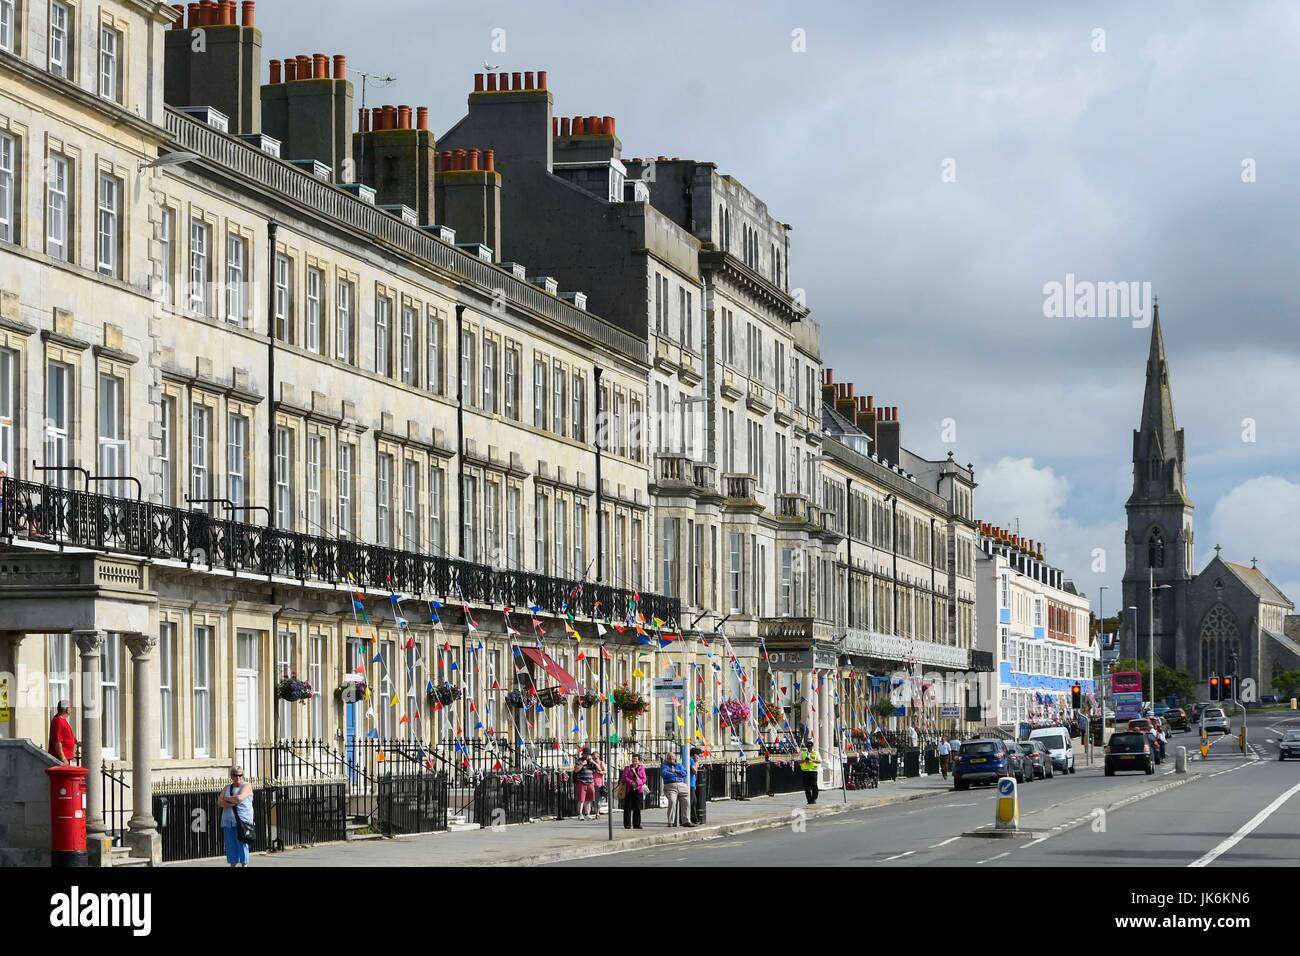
(677, 790)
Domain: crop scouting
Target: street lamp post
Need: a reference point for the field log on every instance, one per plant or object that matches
(1151, 633)
(1101, 654)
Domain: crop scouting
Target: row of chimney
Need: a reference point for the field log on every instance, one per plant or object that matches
(213, 13)
(509, 82)
(391, 117)
(314, 67)
(880, 423)
(1000, 536)
(582, 126)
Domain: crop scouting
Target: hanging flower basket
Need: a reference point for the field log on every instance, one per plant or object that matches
(360, 686)
(587, 699)
(771, 715)
(517, 699)
(629, 702)
(293, 690)
(551, 696)
(444, 693)
(735, 713)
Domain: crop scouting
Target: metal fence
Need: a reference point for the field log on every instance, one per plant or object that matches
(117, 802)
(189, 820)
(413, 804)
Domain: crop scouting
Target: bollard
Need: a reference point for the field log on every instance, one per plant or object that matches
(1007, 815)
(1180, 760)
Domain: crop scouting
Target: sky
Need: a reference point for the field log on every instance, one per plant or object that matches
(941, 164)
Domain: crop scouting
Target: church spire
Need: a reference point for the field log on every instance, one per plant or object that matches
(1158, 442)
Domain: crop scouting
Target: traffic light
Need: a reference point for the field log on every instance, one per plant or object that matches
(1226, 689)
(1214, 688)
(1076, 696)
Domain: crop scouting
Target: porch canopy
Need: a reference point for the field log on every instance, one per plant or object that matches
(556, 672)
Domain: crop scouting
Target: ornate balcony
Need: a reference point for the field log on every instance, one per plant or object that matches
(888, 647)
(740, 488)
(45, 515)
(792, 507)
(674, 468)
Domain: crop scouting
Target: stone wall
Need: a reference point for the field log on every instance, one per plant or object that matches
(24, 804)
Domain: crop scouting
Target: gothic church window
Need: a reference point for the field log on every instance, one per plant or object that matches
(1155, 549)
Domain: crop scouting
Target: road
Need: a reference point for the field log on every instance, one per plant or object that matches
(1228, 810)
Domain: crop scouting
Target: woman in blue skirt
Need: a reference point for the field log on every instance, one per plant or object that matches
(236, 799)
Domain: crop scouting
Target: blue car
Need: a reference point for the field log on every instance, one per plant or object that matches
(983, 761)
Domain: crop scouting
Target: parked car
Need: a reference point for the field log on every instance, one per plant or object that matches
(1040, 761)
(1058, 744)
(983, 761)
(1130, 750)
(1143, 725)
(1270, 699)
(1289, 745)
(1213, 720)
(1177, 719)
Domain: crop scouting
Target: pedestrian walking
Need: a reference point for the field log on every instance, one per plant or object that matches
(598, 774)
(810, 762)
(912, 737)
(236, 803)
(63, 742)
(632, 782)
(695, 785)
(584, 785)
(677, 790)
(945, 757)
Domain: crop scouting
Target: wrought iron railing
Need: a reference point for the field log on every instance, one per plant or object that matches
(84, 519)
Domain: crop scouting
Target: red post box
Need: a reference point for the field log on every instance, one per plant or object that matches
(67, 816)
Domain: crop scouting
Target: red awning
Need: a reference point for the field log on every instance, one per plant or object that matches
(558, 673)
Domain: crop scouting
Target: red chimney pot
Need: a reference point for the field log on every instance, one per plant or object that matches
(564, 126)
(179, 24)
(541, 79)
(403, 117)
(246, 13)
(491, 82)
(579, 126)
(276, 76)
(528, 80)
(320, 66)
(609, 125)
(290, 69)
(503, 82)
(340, 66)
(473, 159)
(516, 81)
(478, 82)
(228, 13)
(490, 160)
(304, 68)
(458, 159)
(422, 117)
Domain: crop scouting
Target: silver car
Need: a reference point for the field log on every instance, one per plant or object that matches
(1213, 720)
(1289, 745)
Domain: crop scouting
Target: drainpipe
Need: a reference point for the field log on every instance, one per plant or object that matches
(272, 227)
(933, 583)
(600, 498)
(848, 491)
(460, 437)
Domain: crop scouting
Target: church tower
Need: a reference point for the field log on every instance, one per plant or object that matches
(1158, 543)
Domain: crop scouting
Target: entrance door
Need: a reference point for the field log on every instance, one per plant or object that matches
(246, 654)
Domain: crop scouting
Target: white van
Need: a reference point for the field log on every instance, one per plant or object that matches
(1057, 742)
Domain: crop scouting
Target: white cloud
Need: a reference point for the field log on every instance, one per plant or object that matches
(1258, 519)
(1017, 488)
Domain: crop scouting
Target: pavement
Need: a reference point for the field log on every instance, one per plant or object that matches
(556, 841)
(1231, 809)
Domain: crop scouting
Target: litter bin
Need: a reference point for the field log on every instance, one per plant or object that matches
(931, 759)
(888, 765)
(912, 762)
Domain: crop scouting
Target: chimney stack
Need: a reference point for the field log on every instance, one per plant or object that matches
(310, 113)
(227, 74)
(468, 196)
(889, 439)
(399, 160)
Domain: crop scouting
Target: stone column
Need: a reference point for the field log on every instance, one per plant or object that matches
(142, 835)
(90, 645)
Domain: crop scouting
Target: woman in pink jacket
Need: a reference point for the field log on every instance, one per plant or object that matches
(634, 788)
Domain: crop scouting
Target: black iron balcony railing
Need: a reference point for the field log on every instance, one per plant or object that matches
(82, 519)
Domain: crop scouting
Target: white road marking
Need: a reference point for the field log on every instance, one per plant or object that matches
(898, 856)
(1247, 829)
(992, 858)
(935, 846)
(1035, 842)
(947, 806)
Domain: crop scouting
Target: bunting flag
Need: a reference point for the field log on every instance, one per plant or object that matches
(469, 620)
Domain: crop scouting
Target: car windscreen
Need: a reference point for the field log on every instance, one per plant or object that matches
(1052, 742)
(980, 748)
(1292, 735)
(1212, 713)
(1027, 748)
(1128, 743)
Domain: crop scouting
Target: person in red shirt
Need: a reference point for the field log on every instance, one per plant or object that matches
(63, 742)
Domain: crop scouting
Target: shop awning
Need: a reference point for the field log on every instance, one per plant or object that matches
(556, 672)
